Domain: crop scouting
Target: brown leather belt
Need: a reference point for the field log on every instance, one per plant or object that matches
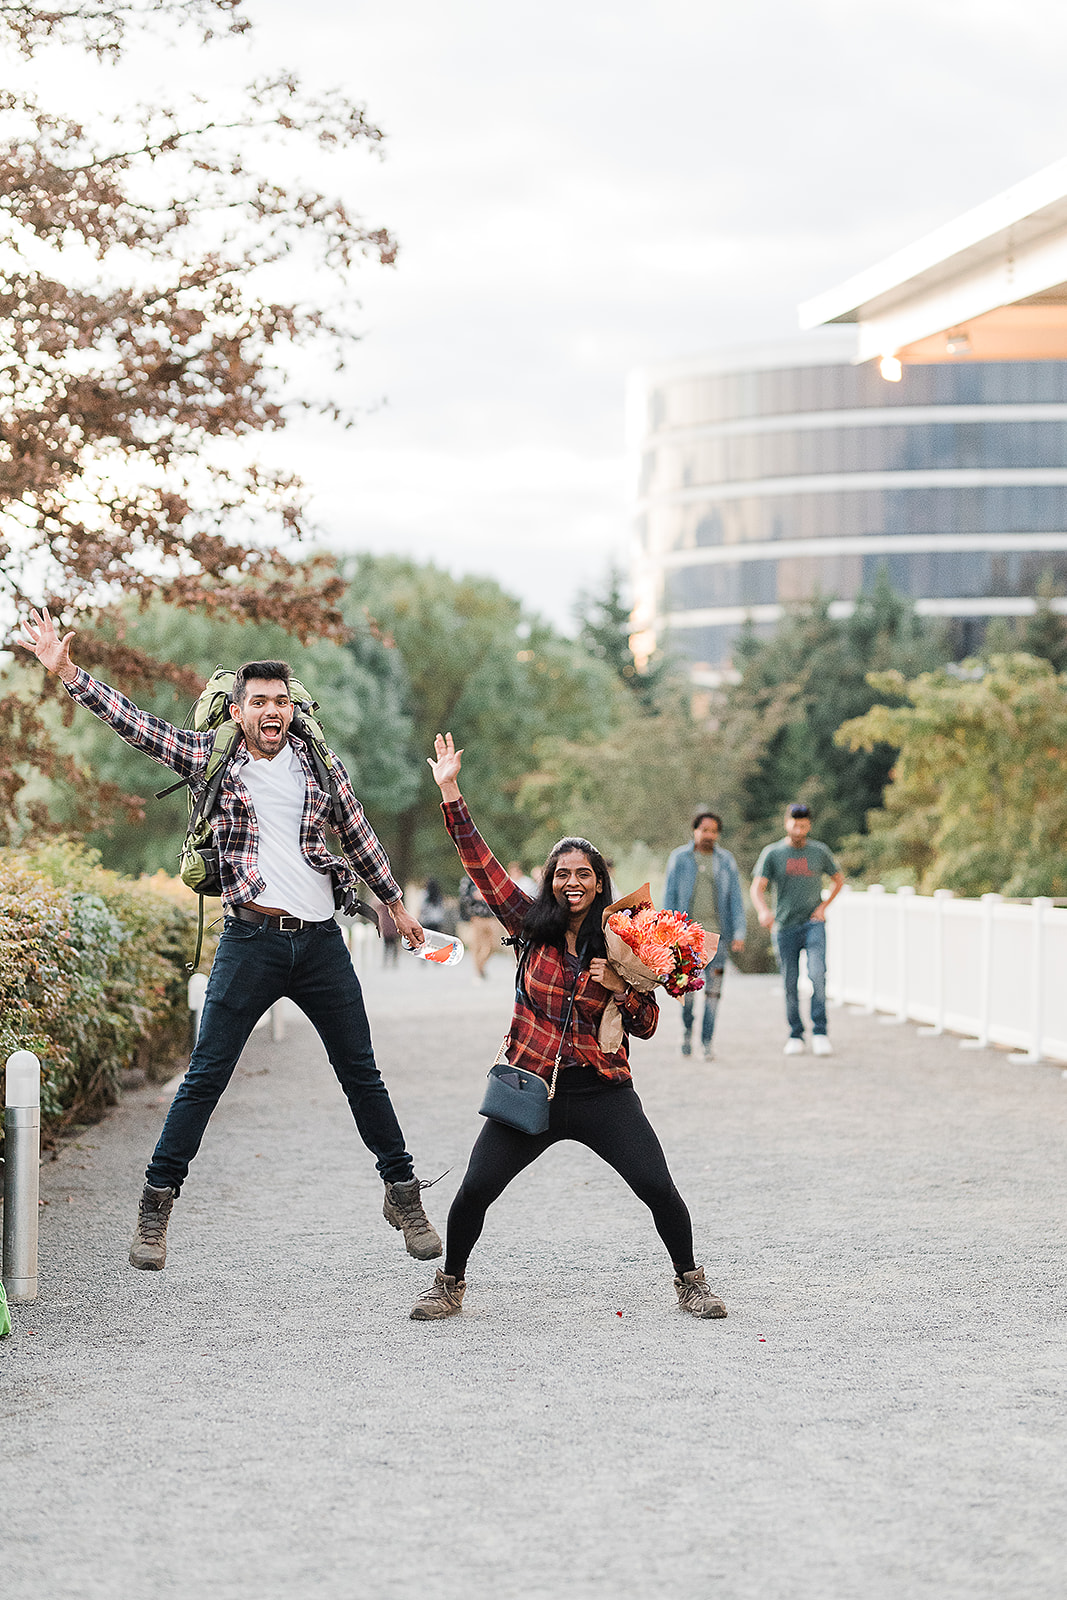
(279, 924)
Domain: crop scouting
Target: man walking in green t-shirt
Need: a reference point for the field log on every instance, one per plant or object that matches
(795, 868)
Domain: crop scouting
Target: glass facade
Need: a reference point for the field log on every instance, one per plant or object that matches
(824, 452)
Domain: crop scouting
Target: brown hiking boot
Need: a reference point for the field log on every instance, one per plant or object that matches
(444, 1298)
(403, 1209)
(695, 1297)
(148, 1249)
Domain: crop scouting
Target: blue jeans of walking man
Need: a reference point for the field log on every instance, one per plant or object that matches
(712, 994)
(254, 968)
(809, 936)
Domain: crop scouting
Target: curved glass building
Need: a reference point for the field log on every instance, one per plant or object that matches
(782, 471)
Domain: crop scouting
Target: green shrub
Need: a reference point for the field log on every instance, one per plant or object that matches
(92, 976)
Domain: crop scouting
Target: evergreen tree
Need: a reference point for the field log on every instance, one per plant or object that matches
(604, 631)
(802, 684)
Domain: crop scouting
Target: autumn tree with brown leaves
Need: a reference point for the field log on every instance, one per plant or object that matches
(147, 310)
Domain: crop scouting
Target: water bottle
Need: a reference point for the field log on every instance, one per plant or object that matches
(440, 948)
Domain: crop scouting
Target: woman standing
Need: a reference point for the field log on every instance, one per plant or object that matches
(565, 984)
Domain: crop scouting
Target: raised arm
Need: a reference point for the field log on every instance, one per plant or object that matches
(445, 764)
(183, 752)
(39, 636)
(504, 897)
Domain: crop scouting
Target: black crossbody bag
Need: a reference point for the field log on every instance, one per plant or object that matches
(513, 1095)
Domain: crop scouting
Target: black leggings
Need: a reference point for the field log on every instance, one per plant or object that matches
(611, 1122)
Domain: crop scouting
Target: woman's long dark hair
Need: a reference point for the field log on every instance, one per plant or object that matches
(546, 921)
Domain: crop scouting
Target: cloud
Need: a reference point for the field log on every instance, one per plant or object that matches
(581, 189)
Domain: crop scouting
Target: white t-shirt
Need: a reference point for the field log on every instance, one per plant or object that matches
(278, 789)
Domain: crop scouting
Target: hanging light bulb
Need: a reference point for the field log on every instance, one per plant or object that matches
(891, 369)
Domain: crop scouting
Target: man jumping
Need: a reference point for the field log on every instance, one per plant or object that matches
(280, 937)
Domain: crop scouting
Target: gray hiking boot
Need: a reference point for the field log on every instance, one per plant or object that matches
(403, 1209)
(148, 1248)
(444, 1298)
(695, 1297)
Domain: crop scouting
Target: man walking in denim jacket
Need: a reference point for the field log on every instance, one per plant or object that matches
(703, 881)
(280, 937)
(795, 867)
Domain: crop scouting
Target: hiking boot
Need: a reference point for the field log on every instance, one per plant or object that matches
(695, 1297)
(402, 1209)
(148, 1248)
(444, 1298)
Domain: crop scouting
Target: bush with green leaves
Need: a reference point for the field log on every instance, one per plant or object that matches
(92, 976)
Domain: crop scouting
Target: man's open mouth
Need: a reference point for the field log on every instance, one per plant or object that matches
(270, 730)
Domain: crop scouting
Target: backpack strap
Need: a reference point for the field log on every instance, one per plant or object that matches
(308, 729)
(223, 749)
(191, 966)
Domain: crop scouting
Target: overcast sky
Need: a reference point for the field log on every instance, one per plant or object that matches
(579, 188)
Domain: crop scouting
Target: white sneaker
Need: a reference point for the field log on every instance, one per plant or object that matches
(709, 1052)
(793, 1047)
(821, 1046)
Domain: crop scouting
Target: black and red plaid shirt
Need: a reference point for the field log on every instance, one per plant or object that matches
(234, 822)
(536, 1027)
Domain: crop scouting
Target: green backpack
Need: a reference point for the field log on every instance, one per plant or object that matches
(199, 866)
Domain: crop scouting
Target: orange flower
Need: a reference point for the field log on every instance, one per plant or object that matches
(693, 938)
(657, 950)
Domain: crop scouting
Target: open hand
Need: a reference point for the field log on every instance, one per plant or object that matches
(39, 635)
(445, 763)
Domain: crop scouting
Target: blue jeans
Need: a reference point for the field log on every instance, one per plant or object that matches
(713, 977)
(254, 967)
(809, 936)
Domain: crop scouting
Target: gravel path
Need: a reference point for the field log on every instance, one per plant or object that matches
(882, 1413)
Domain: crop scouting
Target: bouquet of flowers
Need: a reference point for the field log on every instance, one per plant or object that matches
(650, 948)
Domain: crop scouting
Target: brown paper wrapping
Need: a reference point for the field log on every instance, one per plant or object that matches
(626, 964)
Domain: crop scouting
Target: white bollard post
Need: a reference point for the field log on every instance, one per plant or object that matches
(989, 905)
(197, 990)
(22, 1175)
(1037, 988)
(940, 896)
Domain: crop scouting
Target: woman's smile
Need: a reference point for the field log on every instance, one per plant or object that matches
(575, 883)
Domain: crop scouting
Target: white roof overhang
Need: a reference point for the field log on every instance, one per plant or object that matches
(991, 285)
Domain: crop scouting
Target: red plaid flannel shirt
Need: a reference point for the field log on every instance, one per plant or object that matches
(234, 822)
(536, 1028)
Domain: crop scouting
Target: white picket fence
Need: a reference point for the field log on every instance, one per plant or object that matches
(992, 969)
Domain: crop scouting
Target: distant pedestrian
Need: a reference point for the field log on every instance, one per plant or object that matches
(564, 988)
(794, 868)
(484, 933)
(703, 881)
(434, 913)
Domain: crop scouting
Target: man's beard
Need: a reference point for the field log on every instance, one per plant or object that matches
(263, 747)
